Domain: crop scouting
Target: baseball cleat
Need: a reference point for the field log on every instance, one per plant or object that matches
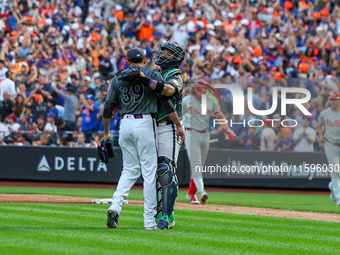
(163, 223)
(193, 199)
(151, 228)
(172, 219)
(204, 198)
(112, 219)
(172, 224)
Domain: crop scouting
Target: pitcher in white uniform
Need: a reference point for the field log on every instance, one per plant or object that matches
(198, 137)
(329, 128)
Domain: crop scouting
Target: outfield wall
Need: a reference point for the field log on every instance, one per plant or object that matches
(82, 165)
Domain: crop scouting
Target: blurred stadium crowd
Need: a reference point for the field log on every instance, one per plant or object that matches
(56, 58)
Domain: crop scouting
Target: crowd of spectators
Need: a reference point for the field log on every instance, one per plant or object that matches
(56, 58)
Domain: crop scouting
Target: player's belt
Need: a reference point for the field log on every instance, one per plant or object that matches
(337, 144)
(137, 116)
(199, 131)
(164, 123)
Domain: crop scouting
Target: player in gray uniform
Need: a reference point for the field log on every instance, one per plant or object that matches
(169, 57)
(139, 106)
(329, 127)
(198, 137)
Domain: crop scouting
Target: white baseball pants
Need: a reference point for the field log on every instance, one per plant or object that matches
(168, 145)
(197, 145)
(137, 139)
(333, 157)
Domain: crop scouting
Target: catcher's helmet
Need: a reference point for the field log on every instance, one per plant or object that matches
(334, 95)
(174, 57)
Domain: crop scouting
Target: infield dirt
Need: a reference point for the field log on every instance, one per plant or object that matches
(28, 198)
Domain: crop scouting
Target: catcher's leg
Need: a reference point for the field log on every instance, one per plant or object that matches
(169, 184)
(159, 200)
(159, 214)
(168, 147)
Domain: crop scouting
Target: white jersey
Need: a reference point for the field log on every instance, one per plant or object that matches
(12, 128)
(96, 8)
(192, 115)
(3, 130)
(49, 128)
(331, 120)
(7, 85)
(303, 144)
(269, 133)
(2, 73)
(180, 35)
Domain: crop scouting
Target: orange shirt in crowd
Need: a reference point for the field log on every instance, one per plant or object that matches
(228, 27)
(95, 57)
(205, 22)
(17, 67)
(145, 32)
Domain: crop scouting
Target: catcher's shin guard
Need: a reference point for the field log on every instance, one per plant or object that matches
(159, 201)
(168, 181)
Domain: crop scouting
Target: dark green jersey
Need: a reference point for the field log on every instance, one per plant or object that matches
(136, 99)
(174, 78)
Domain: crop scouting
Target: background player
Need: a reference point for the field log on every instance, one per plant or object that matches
(329, 129)
(198, 137)
(138, 105)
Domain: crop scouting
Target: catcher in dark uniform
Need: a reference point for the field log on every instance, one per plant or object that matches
(168, 57)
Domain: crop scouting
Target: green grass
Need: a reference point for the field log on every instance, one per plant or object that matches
(313, 203)
(80, 229)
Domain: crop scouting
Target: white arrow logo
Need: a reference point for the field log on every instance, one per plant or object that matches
(43, 165)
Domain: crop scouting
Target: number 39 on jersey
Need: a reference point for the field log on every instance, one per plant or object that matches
(132, 95)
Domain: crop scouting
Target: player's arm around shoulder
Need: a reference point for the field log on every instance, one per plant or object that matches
(157, 84)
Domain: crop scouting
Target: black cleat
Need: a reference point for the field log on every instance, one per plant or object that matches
(163, 223)
(112, 219)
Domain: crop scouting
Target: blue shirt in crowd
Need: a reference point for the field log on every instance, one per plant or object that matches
(89, 121)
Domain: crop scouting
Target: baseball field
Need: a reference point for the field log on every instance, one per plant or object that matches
(55, 225)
